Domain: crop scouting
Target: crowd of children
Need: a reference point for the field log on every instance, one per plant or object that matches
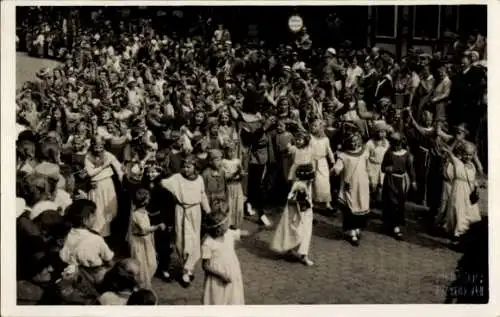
(143, 145)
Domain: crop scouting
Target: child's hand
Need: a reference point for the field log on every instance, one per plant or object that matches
(225, 280)
(244, 233)
(162, 226)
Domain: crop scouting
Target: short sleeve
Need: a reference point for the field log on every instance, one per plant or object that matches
(140, 222)
(206, 249)
(105, 252)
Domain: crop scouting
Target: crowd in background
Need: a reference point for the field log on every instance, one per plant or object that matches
(143, 145)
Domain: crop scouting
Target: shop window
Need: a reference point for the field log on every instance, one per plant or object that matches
(386, 21)
(426, 22)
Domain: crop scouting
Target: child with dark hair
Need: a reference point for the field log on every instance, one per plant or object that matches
(215, 182)
(83, 246)
(223, 280)
(142, 297)
(397, 165)
(119, 283)
(141, 238)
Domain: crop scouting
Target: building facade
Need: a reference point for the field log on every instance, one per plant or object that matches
(428, 28)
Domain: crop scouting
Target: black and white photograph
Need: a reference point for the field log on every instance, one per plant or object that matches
(250, 155)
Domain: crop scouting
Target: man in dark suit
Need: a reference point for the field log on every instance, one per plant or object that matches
(467, 90)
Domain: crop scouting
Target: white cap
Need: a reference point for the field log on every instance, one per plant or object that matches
(331, 51)
(299, 66)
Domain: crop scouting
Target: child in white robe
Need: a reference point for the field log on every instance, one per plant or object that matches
(188, 190)
(294, 231)
(223, 279)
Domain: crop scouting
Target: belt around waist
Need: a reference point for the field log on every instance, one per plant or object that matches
(398, 175)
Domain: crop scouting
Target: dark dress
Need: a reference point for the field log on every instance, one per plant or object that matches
(428, 170)
(161, 209)
(31, 247)
(395, 187)
(369, 85)
(77, 164)
(215, 188)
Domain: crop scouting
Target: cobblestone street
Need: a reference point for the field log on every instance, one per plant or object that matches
(380, 271)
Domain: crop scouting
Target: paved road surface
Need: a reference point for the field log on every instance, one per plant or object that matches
(380, 271)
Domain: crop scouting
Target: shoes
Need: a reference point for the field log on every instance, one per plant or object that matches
(304, 259)
(398, 234)
(250, 210)
(354, 240)
(265, 221)
(187, 278)
(165, 276)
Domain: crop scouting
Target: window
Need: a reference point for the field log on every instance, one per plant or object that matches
(386, 21)
(426, 21)
(450, 17)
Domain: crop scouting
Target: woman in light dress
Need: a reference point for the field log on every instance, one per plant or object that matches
(100, 166)
(354, 192)
(223, 279)
(321, 151)
(461, 212)
(188, 189)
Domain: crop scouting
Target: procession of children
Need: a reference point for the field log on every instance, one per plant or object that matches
(142, 150)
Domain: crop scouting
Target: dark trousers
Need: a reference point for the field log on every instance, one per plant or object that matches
(163, 249)
(255, 194)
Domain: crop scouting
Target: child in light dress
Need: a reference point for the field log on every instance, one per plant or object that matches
(294, 231)
(223, 279)
(83, 246)
(188, 190)
(377, 146)
(322, 153)
(141, 239)
(233, 171)
(302, 153)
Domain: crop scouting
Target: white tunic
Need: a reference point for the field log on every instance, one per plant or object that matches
(354, 183)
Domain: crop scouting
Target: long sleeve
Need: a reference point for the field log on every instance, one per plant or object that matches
(117, 166)
(410, 168)
(204, 199)
(91, 170)
(139, 225)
